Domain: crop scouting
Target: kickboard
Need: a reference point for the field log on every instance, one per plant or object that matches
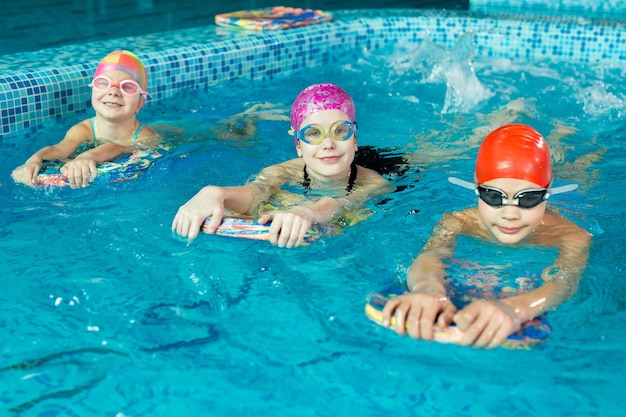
(271, 18)
(124, 168)
(532, 332)
(251, 229)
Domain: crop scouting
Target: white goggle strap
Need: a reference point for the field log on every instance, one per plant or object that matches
(551, 191)
(560, 190)
(462, 183)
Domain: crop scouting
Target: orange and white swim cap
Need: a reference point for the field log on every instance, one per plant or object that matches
(126, 61)
(514, 151)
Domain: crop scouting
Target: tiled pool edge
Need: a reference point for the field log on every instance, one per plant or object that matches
(30, 96)
(604, 8)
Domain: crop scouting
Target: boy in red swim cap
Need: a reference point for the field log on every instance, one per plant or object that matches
(323, 125)
(118, 91)
(513, 179)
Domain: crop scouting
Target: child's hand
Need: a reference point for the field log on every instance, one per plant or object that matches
(189, 218)
(27, 174)
(418, 313)
(288, 227)
(486, 324)
(80, 172)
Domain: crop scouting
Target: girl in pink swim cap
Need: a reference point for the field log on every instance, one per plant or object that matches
(513, 179)
(118, 91)
(323, 123)
(318, 97)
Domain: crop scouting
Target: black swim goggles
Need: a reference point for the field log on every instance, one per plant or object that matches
(525, 199)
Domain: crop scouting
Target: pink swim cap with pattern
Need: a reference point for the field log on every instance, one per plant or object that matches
(124, 61)
(318, 97)
(514, 151)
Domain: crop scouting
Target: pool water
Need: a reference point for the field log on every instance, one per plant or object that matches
(105, 312)
(34, 25)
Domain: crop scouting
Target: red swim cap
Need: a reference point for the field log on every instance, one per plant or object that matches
(514, 151)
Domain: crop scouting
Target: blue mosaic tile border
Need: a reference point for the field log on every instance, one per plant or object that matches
(602, 9)
(35, 87)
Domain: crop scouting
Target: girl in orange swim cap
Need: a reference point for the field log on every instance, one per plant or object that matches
(513, 178)
(118, 91)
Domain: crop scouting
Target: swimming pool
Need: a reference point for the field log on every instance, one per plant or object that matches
(104, 312)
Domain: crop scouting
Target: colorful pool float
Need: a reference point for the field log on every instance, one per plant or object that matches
(271, 18)
(251, 229)
(532, 332)
(124, 168)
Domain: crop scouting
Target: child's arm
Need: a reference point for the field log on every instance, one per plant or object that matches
(211, 201)
(27, 173)
(81, 170)
(489, 323)
(427, 301)
(562, 277)
(289, 226)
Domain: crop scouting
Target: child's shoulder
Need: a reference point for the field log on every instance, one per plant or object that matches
(468, 214)
(559, 225)
(292, 165)
(148, 132)
(369, 173)
(553, 219)
(150, 138)
(556, 230)
(82, 126)
(283, 171)
(465, 222)
(80, 132)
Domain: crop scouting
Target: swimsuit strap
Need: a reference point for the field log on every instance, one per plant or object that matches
(137, 132)
(93, 126)
(306, 182)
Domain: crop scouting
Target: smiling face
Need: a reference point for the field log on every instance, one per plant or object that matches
(511, 224)
(331, 159)
(112, 103)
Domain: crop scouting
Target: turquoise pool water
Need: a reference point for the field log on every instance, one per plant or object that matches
(104, 312)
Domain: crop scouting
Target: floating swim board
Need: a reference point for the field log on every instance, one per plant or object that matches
(124, 168)
(251, 229)
(271, 18)
(531, 333)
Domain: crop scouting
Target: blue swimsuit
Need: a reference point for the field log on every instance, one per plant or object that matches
(93, 128)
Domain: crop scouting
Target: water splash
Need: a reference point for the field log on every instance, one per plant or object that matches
(428, 63)
(599, 100)
(464, 91)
